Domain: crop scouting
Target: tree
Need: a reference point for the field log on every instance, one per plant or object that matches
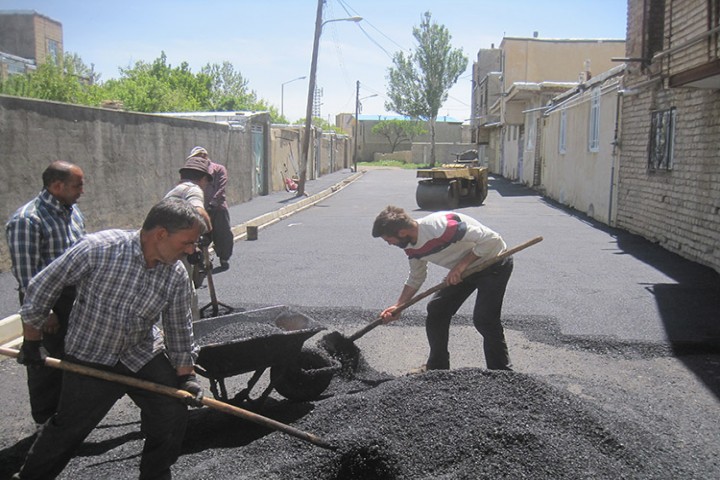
(398, 131)
(228, 88)
(419, 82)
(322, 124)
(60, 83)
(159, 87)
(73, 60)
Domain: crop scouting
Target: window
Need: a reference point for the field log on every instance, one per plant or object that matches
(530, 129)
(594, 123)
(662, 139)
(562, 140)
(53, 51)
(653, 28)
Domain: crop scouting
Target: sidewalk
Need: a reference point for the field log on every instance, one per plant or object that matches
(265, 210)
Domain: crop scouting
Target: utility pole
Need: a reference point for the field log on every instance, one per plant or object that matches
(309, 109)
(356, 131)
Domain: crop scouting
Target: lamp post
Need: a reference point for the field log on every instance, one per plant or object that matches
(282, 94)
(356, 134)
(311, 90)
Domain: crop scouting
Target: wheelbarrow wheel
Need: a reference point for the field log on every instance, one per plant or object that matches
(306, 378)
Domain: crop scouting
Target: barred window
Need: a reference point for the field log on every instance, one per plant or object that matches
(662, 139)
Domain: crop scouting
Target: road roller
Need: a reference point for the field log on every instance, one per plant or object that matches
(448, 186)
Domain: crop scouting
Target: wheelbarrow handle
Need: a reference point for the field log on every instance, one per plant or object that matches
(487, 263)
(181, 394)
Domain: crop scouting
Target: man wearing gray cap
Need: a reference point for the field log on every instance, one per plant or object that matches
(194, 177)
(217, 208)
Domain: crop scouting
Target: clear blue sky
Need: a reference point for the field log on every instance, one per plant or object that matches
(270, 41)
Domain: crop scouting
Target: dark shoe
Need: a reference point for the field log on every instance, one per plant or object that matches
(198, 278)
(224, 267)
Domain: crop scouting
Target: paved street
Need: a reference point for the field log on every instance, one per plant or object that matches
(604, 315)
(584, 278)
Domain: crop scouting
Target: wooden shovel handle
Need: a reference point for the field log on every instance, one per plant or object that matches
(181, 394)
(487, 263)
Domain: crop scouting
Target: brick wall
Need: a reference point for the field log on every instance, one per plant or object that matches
(680, 208)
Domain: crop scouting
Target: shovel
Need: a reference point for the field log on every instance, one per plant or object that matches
(344, 349)
(181, 394)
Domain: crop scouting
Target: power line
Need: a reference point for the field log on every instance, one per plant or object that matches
(351, 11)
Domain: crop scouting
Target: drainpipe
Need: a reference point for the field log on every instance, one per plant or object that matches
(615, 154)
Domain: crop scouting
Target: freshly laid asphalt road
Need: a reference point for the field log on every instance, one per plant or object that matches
(595, 311)
(587, 279)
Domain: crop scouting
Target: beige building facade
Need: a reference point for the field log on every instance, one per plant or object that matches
(521, 76)
(578, 151)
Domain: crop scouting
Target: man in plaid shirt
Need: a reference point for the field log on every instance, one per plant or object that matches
(37, 234)
(132, 317)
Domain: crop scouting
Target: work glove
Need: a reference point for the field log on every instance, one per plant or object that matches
(190, 384)
(32, 354)
(205, 240)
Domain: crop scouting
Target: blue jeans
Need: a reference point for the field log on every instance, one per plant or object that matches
(490, 285)
(84, 402)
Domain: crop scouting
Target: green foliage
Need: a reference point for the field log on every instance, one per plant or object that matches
(145, 87)
(419, 82)
(397, 131)
(62, 83)
(324, 125)
(158, 87)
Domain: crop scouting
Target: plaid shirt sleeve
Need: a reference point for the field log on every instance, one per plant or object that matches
(177, 326)
(23, 237)
(45, 288)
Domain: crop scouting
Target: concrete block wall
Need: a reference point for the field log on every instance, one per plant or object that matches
(130, 160)
(679, 208)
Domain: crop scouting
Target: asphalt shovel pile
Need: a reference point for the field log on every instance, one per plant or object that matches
(344, 349)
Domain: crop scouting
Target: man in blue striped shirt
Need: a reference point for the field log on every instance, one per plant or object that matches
(132, 317)
(37, 234)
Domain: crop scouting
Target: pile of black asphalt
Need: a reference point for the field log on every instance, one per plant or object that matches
(462, 423)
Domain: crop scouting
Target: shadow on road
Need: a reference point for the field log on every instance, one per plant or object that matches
(689, 309)
(506, 188)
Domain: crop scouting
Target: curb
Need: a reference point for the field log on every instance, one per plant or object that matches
(11, 327)
(263, 221)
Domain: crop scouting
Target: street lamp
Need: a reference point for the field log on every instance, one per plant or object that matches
(357, 123)
(282, 93)
(311, 90)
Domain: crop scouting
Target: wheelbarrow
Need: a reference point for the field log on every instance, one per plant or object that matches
(257, 340)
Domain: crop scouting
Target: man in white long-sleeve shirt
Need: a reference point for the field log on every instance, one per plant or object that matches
(457, 242)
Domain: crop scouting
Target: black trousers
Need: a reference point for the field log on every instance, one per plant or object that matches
(490, 285)
(222, 235)
(86, 400)
(44, 382)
